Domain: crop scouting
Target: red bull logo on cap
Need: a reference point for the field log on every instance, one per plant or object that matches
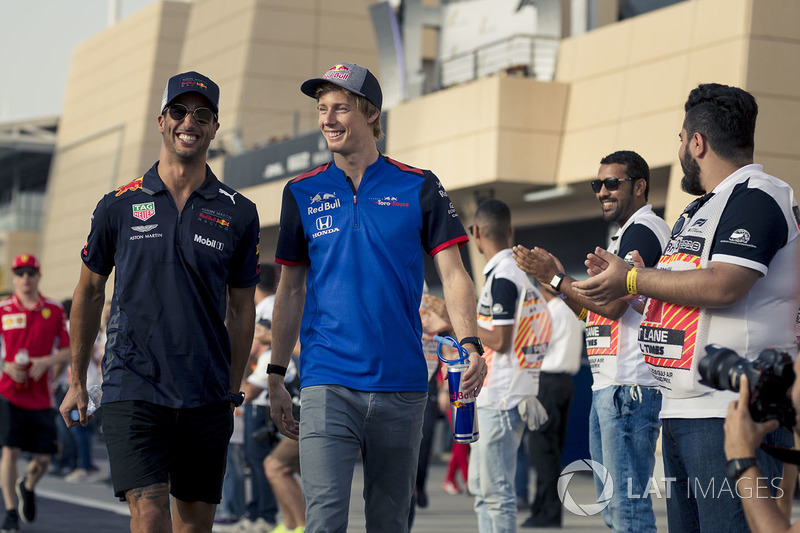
(194, 83)
(339, 72)
(135, 185)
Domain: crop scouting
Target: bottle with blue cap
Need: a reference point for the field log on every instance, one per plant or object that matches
(95, 395)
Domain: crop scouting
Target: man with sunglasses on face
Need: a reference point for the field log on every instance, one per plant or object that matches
(623, 421)
(728, 276)
(33, 335)
(184, 248)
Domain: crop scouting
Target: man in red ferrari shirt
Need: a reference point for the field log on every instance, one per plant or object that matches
(34, 338)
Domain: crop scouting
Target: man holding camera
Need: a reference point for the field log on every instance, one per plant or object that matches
(728, 276)
(742, 438)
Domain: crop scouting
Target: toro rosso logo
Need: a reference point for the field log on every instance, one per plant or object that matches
(389, 201)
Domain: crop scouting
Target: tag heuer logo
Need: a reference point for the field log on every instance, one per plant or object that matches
(144, 211)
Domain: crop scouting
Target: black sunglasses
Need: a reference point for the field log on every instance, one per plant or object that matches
(689, 212)
(612, 184)
(202, 115)
(25, 270)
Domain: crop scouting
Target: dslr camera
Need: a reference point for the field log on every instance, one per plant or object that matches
(770, 376)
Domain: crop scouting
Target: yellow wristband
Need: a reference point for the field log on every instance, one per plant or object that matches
(583, 314)
(632, 281)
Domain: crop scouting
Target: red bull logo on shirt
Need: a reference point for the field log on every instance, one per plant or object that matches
(135, 185)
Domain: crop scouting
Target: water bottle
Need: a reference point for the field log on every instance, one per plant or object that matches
(95, 395)
(23, 360)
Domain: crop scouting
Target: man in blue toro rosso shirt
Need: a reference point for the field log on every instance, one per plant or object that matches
(353, 233)
(185, 250)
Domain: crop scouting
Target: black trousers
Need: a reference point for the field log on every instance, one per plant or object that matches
(546, 443)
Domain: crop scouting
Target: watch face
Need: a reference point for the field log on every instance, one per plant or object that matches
(735, 467)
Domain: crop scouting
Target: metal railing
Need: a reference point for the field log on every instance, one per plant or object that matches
(527, 55)
(24, 212)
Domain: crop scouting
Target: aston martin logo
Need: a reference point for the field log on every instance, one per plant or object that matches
(144, 229)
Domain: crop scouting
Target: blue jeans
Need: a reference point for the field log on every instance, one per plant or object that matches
(83, 438)
(492, 466)
(262, 502)
(336, 424)
(233, 483)
(622, 437)
(701, 497)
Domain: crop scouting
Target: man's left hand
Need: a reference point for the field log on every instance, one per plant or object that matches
(475, 374)
(742, 434)
(609, 277)
(537, 262)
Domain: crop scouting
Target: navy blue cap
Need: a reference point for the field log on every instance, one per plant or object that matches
(191, 82)
(354, 78)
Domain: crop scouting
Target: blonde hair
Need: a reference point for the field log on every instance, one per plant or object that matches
(362, 104)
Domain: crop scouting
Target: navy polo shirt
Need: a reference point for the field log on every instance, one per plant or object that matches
(365, 249)
(167, 341)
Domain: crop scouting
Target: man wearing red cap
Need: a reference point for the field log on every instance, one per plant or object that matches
(30, 326)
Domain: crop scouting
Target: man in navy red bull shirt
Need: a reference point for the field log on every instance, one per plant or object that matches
(353, 234)
(184, 248)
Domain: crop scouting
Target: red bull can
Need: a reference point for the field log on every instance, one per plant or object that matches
(462, 405)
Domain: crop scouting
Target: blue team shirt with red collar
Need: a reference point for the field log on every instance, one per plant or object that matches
(167, 341)
(364, 249)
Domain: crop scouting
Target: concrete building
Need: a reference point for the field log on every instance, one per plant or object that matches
(508, 134)
(26, 148)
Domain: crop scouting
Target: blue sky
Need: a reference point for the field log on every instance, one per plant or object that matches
(36, 42)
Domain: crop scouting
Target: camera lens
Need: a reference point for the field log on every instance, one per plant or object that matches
(721, 368)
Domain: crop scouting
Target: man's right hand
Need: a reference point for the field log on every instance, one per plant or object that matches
(76, 398)
(280, 407)
(537, 262)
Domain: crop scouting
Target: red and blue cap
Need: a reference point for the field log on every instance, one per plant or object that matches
(354, 78)
(191, 82)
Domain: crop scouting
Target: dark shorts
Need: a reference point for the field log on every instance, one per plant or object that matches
(187, 448)
(31, 431)
(287, 452)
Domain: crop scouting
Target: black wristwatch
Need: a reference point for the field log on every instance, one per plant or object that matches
(236, 398)
(556, 282)
(473, 340)
(736, 467)
(276, 369)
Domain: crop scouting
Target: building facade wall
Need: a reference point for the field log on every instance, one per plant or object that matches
(621, 86)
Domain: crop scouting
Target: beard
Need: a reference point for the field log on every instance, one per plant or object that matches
(690, 182)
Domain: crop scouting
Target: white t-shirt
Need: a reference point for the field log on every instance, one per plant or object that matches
(264, 308)
(259, 376)
(497, 306)
(566, 342)
(757, 229)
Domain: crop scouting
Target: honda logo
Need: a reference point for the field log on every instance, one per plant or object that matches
(324, 223)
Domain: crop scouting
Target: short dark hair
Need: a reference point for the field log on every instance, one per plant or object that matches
(267, 281)
(726, 117)
(494, 218)
(635, 166)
